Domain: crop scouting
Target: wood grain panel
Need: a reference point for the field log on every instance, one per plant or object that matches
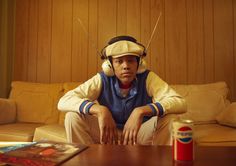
(93, 55)
(121, 17)
(175, 41)
(6, 45)
(157, 47)
(1, 23)
(223, 40)
(61, 41)
(3, 46)
(44, 41)
(146, 27)
(10, 44)
(33, 41)
(106, 24)
(22, 40)
(133, 18)
(195, 42)
(208, 41)
(233, 91)
(80, 40)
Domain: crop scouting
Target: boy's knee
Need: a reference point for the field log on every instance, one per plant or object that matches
(71, 115)
(163, 130)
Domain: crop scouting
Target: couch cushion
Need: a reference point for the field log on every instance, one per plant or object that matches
(7, 111)
(219, 87)
(20, 132)
(203, 106)
(204, 102)
(52, 132)
(214, 134)
(228, 116)
(36, 102)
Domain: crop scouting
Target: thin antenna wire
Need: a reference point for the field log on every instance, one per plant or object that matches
(155, 27)
(95, 46)
(89, 38)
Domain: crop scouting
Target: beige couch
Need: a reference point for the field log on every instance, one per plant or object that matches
(30, 113)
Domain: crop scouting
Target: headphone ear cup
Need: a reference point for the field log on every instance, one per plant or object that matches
(142, 66)
(107, 68)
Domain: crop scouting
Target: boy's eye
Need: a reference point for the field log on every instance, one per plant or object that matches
(118, 61)
(131, 60)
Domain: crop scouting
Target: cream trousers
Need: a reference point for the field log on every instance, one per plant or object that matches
(84, 129)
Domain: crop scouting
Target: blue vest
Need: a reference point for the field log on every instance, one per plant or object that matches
(121, 107)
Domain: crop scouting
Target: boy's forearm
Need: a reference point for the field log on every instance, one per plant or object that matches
(144, 111)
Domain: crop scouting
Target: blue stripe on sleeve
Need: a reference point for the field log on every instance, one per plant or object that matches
(88, 107)
(154, 111)
(160, 109)
(81, 108)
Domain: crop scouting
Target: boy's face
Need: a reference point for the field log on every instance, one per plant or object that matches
(125, 68)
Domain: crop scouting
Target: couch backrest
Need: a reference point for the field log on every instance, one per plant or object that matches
(36, 102)
(204, 101)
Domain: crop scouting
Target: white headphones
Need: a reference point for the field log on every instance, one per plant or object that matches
(107, 66)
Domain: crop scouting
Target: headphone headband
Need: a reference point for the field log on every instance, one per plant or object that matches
(119, 38)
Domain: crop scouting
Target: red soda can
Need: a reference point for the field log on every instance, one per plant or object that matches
(183, 143)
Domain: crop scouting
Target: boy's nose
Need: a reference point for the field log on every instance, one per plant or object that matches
(125, 65)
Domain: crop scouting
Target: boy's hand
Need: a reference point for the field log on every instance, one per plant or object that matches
(132, 127)
(133, 124)
(107, 125)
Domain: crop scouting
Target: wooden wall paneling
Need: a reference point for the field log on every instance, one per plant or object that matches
(21, 41)
(1, 24)
(80, 40)
(3, 46)
(234, 66)
(195, 42)
(208, 41)
(223, 39)
(175, 41)
(7, 15)
(121, 17)
(44, 41)
(93, 55)
(33, 41)
(61, 41)
(1, 31)
(11, 43)
(157, 47)
(106, 24)
(145, 27)
(133, 18)
(51, 47)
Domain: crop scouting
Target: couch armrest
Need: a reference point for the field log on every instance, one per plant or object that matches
(7, 111)
(162, 135)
